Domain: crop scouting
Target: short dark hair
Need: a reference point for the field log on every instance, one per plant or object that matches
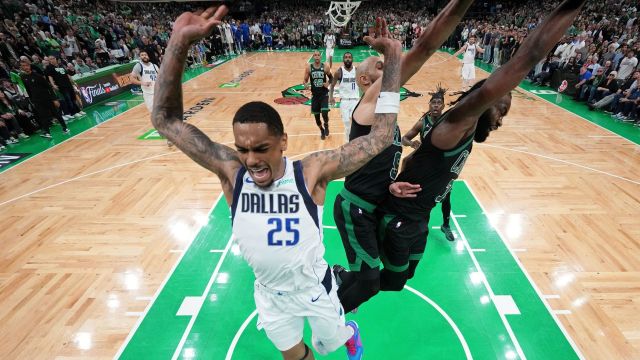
(256, 112)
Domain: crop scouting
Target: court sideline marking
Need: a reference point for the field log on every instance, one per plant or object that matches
(159, 290)
(419, 294)
(487, 286)
(524, 270)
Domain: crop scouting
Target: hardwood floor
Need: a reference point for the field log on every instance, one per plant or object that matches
(88, 227)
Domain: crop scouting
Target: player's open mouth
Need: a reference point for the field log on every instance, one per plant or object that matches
(260, 174)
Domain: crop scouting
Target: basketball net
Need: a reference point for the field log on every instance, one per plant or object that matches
(340, 12)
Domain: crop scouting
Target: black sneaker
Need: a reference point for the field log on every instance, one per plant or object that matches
(337, 271)
(322, 135)
(447, 232)
(326, 130)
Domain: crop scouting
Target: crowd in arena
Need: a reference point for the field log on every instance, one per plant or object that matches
(46, 44)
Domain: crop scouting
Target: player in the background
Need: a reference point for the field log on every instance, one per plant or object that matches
(329, 43)
(320, 76)
(349, 92)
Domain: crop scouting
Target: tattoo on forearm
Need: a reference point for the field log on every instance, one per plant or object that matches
(358, 152)
(167, 116)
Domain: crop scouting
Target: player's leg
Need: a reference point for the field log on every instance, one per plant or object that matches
(148, 101)
(416, 249)
(325, 113)
(346, 110)
(316, 108)
(356, 224)
(329, 57)
(277, 316)
(398, 237)
(327, 322)
(446, 215)
(299, 352)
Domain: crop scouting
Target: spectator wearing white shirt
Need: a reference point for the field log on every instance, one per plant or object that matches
(627, 65)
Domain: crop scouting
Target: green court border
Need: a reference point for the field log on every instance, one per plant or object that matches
(546, 319)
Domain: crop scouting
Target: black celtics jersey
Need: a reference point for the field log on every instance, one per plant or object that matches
(433, 169)
(318, 78)
(371, 182)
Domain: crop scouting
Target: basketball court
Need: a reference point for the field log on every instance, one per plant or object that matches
(116, 246)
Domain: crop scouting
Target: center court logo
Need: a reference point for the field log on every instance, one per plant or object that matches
(297, 94)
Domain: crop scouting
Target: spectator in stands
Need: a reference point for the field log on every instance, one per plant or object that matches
(63, 84)
(43, 98)
(10, 114)
(81, 67)
(90, 64)
(627, 65)
(607, 87)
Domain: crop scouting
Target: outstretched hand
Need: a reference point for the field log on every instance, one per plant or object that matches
(381, 41)
(192, 27)
(404, 189)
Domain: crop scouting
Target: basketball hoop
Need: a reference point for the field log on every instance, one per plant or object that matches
(340, 12)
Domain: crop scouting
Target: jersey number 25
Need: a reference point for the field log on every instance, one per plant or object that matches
(289, 229)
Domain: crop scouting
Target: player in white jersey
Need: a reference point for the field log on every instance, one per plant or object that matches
(145, 74)
(329, 43)
(349, 92)
(276, 203)
(468, 67)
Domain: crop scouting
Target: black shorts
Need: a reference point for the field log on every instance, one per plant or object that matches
(356, 222)
(319, 103)
(402, 240)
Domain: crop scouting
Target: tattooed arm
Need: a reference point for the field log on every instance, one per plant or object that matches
(167, 107)
(322, 167)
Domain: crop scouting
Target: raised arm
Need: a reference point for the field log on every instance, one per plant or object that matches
(334, 164)
(536, 46)
(432, 38)
(167, 107)
(427, 44)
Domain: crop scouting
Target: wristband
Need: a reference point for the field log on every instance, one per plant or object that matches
(388, 103)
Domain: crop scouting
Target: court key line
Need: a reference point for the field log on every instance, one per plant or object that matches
(487, 286)
(157, 293)
(524, 271)
(419, 294)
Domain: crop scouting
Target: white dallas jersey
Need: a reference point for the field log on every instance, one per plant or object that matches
(278, 230)
(330, 41)
(148, 72)
(469, 54)
(348, 87)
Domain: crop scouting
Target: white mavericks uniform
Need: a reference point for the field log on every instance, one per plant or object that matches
(279, 232)
(147, 72)
(329, 42)
(468, 68)
(349, 97)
